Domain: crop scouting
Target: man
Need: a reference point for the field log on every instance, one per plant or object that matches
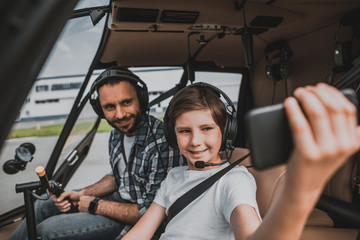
(140, 159)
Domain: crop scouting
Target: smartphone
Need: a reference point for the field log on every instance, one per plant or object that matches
(270, 136)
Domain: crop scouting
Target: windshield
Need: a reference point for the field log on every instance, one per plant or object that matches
(48, 104)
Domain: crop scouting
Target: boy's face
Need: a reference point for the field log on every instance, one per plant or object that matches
(198, 137)
(121, 107)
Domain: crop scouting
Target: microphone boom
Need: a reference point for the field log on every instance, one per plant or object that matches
(202, 164)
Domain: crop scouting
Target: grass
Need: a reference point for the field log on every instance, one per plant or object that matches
(104, 127)
(55, 130)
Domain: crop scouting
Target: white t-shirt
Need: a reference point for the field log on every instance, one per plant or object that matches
(128, 142)
(208, 216)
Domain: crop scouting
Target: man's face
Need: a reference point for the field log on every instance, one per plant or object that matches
(121, 107)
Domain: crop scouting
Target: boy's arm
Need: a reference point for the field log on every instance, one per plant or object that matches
(323, 140)
(148, 223)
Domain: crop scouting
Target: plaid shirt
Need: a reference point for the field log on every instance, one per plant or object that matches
(144, 171)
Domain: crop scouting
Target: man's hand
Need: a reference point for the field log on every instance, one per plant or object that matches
(84, 203)
(64, 205)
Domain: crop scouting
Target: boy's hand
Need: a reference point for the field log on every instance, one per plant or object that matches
(324, 138)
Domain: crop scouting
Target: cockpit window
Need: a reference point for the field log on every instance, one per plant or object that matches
(229, 83)
(48, 104)
(91, 3)
(158, 81)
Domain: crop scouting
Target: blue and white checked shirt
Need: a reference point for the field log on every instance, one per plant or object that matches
(144, 171)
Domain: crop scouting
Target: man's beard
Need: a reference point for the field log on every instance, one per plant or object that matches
(133, 128)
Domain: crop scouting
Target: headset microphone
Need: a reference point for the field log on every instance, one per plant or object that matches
(202, 164)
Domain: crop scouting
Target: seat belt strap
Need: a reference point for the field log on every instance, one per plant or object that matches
(196, 191)
(356, 194)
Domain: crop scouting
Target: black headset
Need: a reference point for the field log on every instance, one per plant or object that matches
(123, 75)
(344, 55)
(230, 124)
(280, 70)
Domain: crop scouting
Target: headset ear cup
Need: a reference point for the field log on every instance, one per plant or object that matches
(229, 131)
(95, 103)
(143, 96)
(99, 108)
(171, 136)
(233, 127)
(169, 130)
(268, 72)
(273, 72)
(285, 70)
(338, 54)
(343, 54)
(225, 136)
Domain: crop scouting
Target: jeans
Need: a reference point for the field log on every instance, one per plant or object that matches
(52, 224)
